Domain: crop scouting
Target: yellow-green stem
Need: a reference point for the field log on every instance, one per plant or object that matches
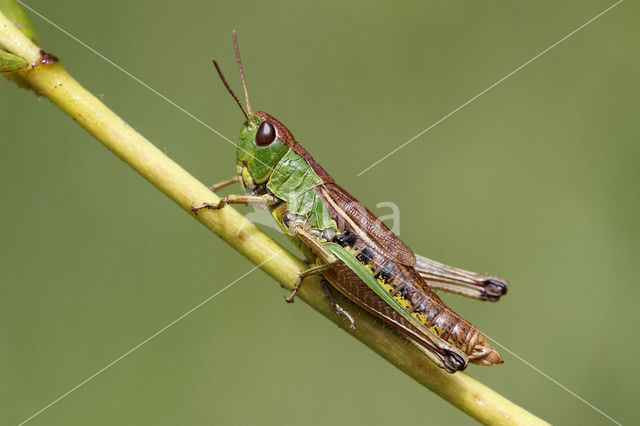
(52, 81)
(14, 41)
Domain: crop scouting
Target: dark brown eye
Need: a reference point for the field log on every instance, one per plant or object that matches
(266, 134)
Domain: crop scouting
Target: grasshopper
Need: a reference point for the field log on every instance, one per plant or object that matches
(353, 250)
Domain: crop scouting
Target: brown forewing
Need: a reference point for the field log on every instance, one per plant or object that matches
(347, 210)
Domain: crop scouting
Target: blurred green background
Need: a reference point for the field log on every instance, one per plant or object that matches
(537, 181)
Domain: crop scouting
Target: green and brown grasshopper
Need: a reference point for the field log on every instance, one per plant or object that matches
(352, 249)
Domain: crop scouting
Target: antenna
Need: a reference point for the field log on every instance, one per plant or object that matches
(244, 80)
(224, 81)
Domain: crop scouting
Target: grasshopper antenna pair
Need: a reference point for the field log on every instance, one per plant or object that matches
(244, 81)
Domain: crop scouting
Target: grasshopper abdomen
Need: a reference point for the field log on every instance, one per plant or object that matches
(408, 288)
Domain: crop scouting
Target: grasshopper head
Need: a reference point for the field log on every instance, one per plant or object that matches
(263, 139)
(263, 142)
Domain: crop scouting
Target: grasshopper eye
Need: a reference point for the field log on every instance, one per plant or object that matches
(266, 134)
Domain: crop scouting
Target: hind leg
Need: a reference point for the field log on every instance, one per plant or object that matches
(326, 288)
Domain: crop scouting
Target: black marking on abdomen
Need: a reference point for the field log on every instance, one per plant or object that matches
(345, 240)
(385, 273)
(365, 255)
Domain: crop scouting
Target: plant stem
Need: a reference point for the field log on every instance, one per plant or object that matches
(14, 41)
(52, 81)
